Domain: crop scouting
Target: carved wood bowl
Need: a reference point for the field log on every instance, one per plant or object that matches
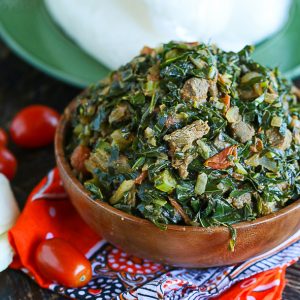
(183, 246)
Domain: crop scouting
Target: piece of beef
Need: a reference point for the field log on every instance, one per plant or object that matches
(197, 89)
(181, 140)
(240, 201)
(242, 131)
(277, 140)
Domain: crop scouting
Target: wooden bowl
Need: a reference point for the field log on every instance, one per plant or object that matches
(183, 246)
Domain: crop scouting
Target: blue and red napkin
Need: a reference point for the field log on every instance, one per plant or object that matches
(48, 213)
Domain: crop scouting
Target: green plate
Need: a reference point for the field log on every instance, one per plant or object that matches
(28, 29)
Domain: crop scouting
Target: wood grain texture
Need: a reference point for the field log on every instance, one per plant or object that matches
(20, 86)
(202, 247)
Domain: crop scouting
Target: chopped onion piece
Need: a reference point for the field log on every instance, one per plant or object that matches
(270, 98)
(253, 161)
(201, 184)
(165, 182)
(125, 186)
(233, 115)
(276, 121)
(248, 76)
(240, 169)
(203, 149)
(268, 164)
(218, 105)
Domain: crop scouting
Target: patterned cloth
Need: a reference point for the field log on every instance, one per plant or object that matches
(116, 274)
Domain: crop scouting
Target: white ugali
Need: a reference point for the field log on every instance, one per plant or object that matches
(113, 31)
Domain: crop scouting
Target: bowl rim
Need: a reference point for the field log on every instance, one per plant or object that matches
(65, 165)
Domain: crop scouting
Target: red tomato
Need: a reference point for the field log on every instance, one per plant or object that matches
(8, 163)
(220, 161)
(34, 126)
(57, 260)
(3, 137)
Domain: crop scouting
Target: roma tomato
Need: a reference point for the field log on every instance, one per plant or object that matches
(3, 137)
(57, 260)
(8, 163)
(34, 126)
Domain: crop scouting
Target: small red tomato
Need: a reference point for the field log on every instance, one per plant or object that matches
(57, 260)
(3, 137)
(8, 163)
(34, 126)
(220, 160)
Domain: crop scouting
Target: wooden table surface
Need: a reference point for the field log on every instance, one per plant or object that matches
(20, 86)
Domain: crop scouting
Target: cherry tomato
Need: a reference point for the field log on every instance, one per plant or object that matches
(3, 137)
(226, 101)
(8, 163)
(57, 260)
(34, 126)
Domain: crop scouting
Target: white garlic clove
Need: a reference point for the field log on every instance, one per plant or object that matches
(9, 210)
(6, 252)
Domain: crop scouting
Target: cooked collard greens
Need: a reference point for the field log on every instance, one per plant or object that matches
(189, 134)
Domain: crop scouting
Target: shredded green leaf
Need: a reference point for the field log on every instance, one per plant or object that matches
(160, 125)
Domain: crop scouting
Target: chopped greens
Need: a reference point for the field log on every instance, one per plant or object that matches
(165, 182)
(189, 134)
